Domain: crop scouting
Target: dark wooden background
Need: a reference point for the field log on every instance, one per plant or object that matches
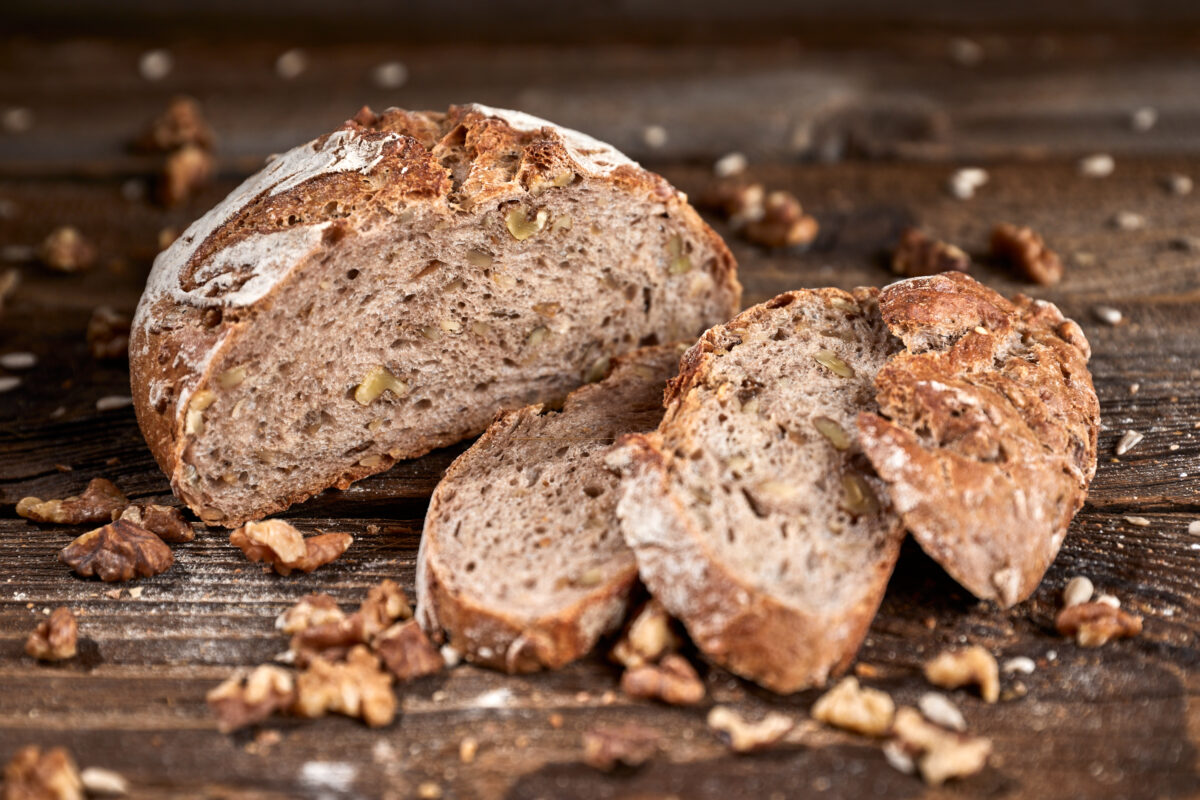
(864, 121)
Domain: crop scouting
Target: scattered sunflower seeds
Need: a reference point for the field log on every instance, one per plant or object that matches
(1078, 591)
(1109, 600)
(113, 401)
(1140, 522)
(1108, 315)
(655, 136)
(1128, 441)
(939, 710)
(1100, 165)
(17, 119)
(730, 164)
(154, 65)
(1021, 664)
(1143, 119)
(1179, 184)
(9, 382)
(390, 75)
(967, 52)
(1128, 221)
(1194, 527)
(964, 182)
(18, 360)
(291, 64)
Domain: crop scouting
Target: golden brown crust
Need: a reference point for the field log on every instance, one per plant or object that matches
(197, 305)
(987, 429)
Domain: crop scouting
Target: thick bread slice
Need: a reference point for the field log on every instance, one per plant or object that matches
(385, 289)
(987, 429)
(522, 565)
(754, 517)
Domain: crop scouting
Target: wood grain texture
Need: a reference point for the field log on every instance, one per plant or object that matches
(1121, 721)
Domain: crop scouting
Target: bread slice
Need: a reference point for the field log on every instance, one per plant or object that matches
(754, 516)
(521, 565)
(986, 432)
(386, 288)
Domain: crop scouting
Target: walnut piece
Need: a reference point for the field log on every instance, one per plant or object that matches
(407, 652)
(185, 172)
(673, 680)
(108, 333)
(357, 687)
(855, 708)
(743, 736)
(97, 504)
(648, 637)
(67, 250)
(311, 611)
(165, 522)
(285, 548)
(182, 123)
(974, 665)
(319, 627)
(918, 254)
(117, 552)
(55, 638)
(1097, 623)
(250, 696)
(34, 775)
(783, 223)
(608, 746)
(939, 754)
(1026, 252)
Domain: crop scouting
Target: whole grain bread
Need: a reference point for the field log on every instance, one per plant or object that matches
(522, 565)
(754, 516)
(385, 289)
(986, 430)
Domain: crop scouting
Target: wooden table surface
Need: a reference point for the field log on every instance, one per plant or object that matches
(865, 126)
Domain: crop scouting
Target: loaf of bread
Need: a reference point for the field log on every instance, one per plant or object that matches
(986, 430)
(385, 289)
(753, 514)
(522, 566)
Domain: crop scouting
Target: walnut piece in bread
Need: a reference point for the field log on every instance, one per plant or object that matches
(482, 258)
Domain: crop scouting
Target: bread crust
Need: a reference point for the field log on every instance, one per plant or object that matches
(987, 429)
(206, 290)
(747, 630)
(531, 641)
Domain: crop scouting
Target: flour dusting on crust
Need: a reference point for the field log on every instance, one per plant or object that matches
(592, 154)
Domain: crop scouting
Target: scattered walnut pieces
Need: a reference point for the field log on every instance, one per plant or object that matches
(974, 665)
(285, 548)
(673, 680)
(1025, 251)
(165, 522)
(185, 172)
(182, 123)
(319, 627)
(919, 254)
(939, 754)
(357, 687)
(34, 775)
(55, 638)
(647, 638)
(855, 708)
(385, 604)
(631, 745)
(743, 736)
(1097, 623)
(96, 504)
(407, 652)
(65, 249)
(311, 611)
(117, 552)
(108, 333)
(249, 697)
(783, 223)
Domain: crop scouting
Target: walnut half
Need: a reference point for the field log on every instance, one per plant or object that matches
(117, 552)
(407, 652)
(165, 522)
(673, 680)
(357, 687)
(34, 775)
(55, 638)
(249, 697)
(629, 745)
(96, 504)
(285, 548)
(974, 665)
(1097, 623)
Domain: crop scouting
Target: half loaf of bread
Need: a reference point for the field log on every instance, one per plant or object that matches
(753, 514)
(986, 431)
(385, 289)
(522, 565)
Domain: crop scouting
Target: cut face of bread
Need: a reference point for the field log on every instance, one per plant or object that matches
(385, 289)
(986, 431)
(522, 565)
(754, 516)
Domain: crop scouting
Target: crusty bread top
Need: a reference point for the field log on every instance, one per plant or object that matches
(987, 429)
